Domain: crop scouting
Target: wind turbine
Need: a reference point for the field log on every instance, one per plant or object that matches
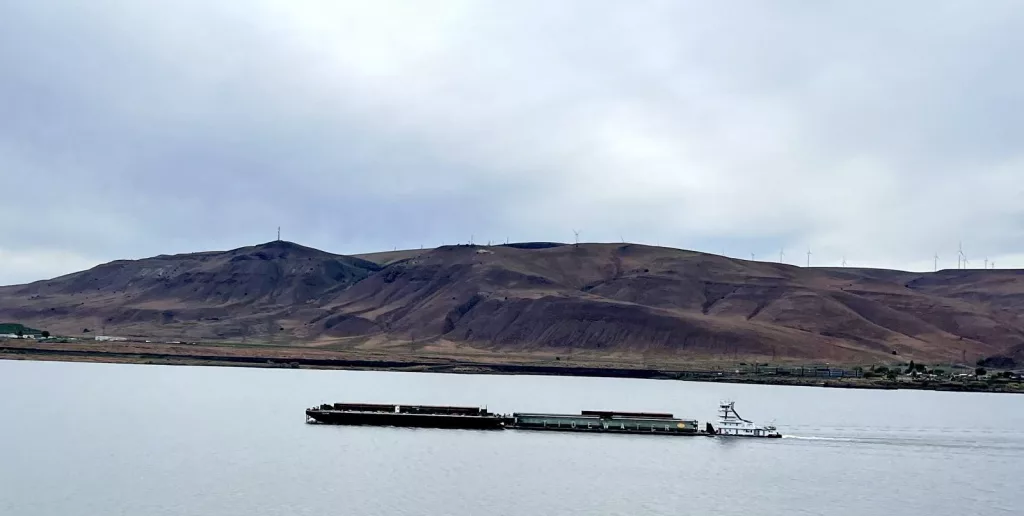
(808, 257)
(986, 262)
(936, 258)
(961, 257)
(844, 261)
(751, 256)
(576, 232)
(782, 254)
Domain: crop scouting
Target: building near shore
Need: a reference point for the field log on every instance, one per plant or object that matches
(108, 338)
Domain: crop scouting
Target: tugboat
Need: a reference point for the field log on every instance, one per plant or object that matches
(732, 425)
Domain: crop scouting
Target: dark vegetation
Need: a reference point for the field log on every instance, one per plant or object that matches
(18, 329)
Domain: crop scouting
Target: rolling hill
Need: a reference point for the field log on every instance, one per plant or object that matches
(615, 300)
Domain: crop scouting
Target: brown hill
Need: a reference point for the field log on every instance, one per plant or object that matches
(618, 300)
(206, 294)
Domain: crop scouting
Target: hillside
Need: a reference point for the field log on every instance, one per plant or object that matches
(614, 300)
(211, 294)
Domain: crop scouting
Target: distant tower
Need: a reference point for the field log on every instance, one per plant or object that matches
(936, 258)
(782, 254)
(278, 233)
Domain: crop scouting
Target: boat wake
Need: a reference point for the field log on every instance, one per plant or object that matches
(1002, 445)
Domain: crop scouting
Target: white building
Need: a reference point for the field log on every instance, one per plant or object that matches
(107, 338)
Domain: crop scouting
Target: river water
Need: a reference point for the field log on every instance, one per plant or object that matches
(106, 439)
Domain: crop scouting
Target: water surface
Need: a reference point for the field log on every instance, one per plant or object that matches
(81, 439)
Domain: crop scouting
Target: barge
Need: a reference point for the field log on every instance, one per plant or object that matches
(416, 416)
(592, 421)
(607, 421)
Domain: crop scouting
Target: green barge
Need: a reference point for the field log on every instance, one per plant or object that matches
(609, 422)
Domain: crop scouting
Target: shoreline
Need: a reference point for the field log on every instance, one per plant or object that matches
(301, 359)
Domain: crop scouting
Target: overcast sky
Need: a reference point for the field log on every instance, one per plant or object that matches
(882, 132)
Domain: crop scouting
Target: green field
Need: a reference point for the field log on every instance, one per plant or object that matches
(16, 327)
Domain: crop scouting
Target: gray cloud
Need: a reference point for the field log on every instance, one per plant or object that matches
(878, 132)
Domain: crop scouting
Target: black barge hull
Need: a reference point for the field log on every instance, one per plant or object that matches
(611, 431)
(411, 420)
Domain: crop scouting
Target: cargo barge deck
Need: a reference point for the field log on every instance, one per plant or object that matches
(587, 421)
(609, 422)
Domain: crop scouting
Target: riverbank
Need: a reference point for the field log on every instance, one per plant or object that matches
(313, 358)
